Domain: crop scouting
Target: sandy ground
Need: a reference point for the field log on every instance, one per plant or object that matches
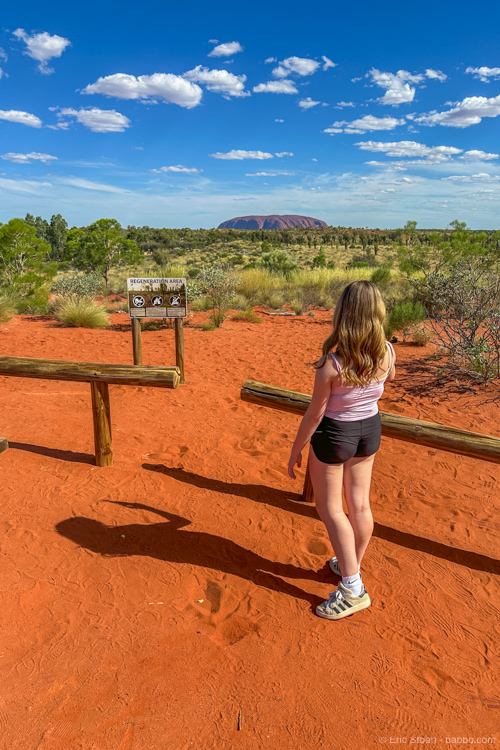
(147, 604)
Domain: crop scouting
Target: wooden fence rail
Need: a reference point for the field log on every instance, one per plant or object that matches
(100, 376)
(430, 434)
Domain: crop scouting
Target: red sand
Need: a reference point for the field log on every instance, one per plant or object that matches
(146, 604)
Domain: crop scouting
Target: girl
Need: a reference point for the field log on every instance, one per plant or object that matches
(344, 417)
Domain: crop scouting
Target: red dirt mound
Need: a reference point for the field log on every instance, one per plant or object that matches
(168, 601)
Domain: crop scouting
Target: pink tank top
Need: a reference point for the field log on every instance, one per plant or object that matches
(354, 402)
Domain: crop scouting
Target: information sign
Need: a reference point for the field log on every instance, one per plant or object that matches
(157, 298)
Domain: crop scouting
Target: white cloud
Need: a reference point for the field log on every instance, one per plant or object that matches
(213, 41)
(302, 66)
(24, 118)
(280, 154)
(433, 154)
(481, 177)
(397, 85)
(484, 74)
(437, 75)
(42, 47)
(23, 186)
(313, 159)
(226, 49)
(327, 63)
(364, 124)
(3, 54)
(97, 120)
(307, 103)
(341, 105)
(165, 86)
(469, 111)
(28, 158)
(276, 87)
(2, 73)
(270, 174)
(88, 185)
(137, 148)
(270, 60)
(239, 154)
(475, 155)
(278, 120)
(220, 81)
(178, 168)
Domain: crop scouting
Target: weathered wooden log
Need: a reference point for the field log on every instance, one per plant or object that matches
(430, 434)
(87, 372)
(3, 444)
(179, 346)
(137, 341)
(102, 423)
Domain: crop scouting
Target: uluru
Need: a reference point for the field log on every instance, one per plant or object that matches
(271, 222)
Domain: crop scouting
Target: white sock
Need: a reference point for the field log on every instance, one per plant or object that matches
(353, 583)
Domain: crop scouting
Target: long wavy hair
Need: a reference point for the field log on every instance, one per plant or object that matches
(358, 333)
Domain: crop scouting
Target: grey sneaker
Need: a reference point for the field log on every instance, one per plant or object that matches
(342, 603)
(335, 567)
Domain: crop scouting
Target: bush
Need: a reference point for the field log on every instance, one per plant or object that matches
(381, 275)
(219, 283)
(463, 308)
(7, 309)
(278, 261)
(152, 325)
(248, 315)
(297, 306)
(78, 285)
(402, 316)
(81, 313)
(208, 327)
(199, 304)
(420, 335)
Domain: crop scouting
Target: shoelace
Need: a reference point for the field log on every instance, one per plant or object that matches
(335, 597)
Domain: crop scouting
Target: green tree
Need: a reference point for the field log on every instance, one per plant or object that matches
(56, 236)
(101, 246)
(24, 271)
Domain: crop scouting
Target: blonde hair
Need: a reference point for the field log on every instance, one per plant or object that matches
(358, 333)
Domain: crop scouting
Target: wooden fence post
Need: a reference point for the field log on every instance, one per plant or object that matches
(101, 414)
(137, 341)
(3, 444)
(179, 346)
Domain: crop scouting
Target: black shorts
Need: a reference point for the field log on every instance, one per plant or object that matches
(336, 441)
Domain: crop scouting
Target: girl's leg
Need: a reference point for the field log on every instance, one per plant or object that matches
(357, 480)
(327, 485)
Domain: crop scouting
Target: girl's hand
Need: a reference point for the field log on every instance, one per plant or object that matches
(295, 458)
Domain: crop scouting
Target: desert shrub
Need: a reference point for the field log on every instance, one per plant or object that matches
(381, 275)
(7, 309)
(311, 295)
(152, 325)
(208, 327)
(194, 272)
(420, 334)
(297, 306)
(200, 304)
(219, 284)
(402, 316)
(247, 315)
(463, 310)
(278, 261)
(78, 285)
(81, 313)
(240, 302)
(275, 300)
(358, 264)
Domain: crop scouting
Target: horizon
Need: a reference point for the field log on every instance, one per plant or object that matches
(189, 118)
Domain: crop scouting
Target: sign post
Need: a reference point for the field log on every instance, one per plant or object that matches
(157, 298)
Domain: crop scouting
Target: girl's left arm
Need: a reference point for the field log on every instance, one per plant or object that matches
(313, 415)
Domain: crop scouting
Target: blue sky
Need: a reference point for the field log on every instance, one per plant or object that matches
(187, 114)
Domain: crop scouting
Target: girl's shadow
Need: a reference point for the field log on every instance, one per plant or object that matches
(167, 541)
